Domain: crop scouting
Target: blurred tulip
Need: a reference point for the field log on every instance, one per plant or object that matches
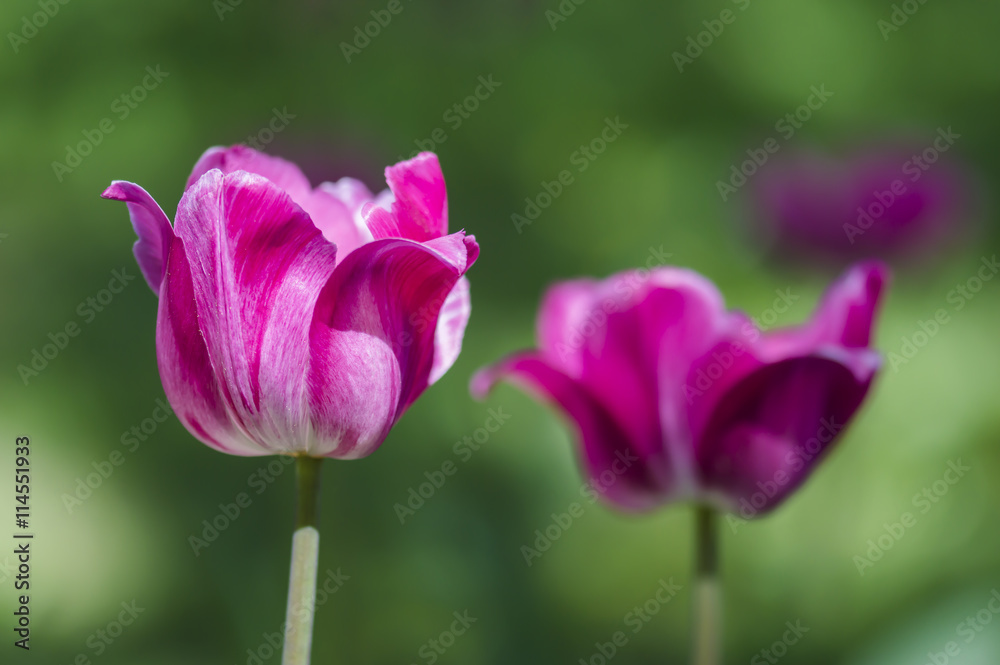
(675, 398)
(883, 202)
(299, 320)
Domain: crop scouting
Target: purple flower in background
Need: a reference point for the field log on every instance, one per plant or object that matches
(887, 201)
(300, 320)
(674, 397)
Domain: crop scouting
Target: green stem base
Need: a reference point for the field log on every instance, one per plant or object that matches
(707, 622)
(305, 564)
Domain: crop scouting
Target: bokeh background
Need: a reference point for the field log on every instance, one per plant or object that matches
(232, 66)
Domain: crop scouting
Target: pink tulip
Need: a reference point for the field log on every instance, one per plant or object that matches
(300, 320)
(675, 398)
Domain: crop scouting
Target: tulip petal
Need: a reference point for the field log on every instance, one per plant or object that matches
(150, 224)
(845, 316)
(258, 265)
(773, 428)
(342, 224)
(335, 208)
(847, 312)
(284, 174)
(840, 330)
(371, 354)
(338, 221)
(637, 363)
(351, 192)
(187, 373)
(832, 346)
(420, 206)
(566, 316)
(450, 329)
(607, 453)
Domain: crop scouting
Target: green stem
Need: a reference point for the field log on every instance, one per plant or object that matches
(305, 561)
(707, 649)
(307, 478)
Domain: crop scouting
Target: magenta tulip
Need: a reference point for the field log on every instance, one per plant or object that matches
(298, 320)
(675, 398)
(881, 201)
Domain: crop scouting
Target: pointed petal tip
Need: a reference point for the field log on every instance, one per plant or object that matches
(151, 226)
(875, 273)
(113, 192)
(514, 369)
(120, 190)
(420, 205)
(482, 382)
(471, 248)
(848, 310)
(425, 157)
(425, 166)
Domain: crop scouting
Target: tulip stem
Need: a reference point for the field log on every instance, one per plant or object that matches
(305, 561)
(707, 624)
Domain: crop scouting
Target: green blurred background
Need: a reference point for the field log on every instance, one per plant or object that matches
(230, 66)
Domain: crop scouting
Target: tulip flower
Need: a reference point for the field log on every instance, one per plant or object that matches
(673, 397)
(881, 201)
(298, 320)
